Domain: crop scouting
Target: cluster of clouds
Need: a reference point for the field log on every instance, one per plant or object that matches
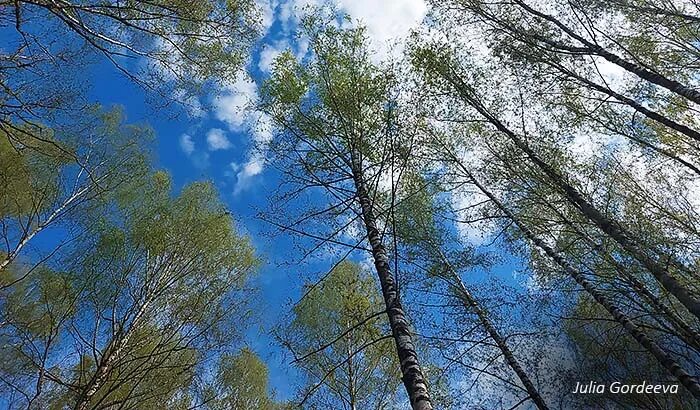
(233, 108)
(387, 23)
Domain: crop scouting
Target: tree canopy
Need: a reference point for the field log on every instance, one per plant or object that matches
(498, 211)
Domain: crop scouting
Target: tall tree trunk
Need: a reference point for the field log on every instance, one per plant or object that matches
(352, 396)
(686, 332)
(112, 353)
(608, 226)
(412, 375)
(595, 49)
(104, 369)
(688, 381)
(651, 114)
(471, 303)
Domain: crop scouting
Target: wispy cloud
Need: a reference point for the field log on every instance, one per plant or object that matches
(267, 13)
(235, 102)
(186, 144)
(388, 22)
(236, 108)
(216, 140)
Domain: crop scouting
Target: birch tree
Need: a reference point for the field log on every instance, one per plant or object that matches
(149, 295)
(242, 383)
(332, 114)
(52, 177)
(160, 45)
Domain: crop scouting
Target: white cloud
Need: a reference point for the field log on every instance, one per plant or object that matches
(613, 74)
(200, 160)
(469, 205)
(290, 11)
(267, 13)
(252, 167)
(302, 47)
(216, 139)
(261, 128)
(386, 21)
(186, 144)
(587, 144)
(233, 106)
(190, 103)
(551, 372)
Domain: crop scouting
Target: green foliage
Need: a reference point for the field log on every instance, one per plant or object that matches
(186, 260)
(242, 382)
(287, 84)
(416, 209)
(30, 161)
(181, 43)
(168, 271)
(41, 305)
(338, 100)
(338, 307)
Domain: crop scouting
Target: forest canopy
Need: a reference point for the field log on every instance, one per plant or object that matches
(276, 205)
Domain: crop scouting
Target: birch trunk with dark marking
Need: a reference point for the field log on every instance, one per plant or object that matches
(688, 381)
(411, 373)
(102, 373)
(471, 303)
(652, 77)
(605, 224)
(621, 4)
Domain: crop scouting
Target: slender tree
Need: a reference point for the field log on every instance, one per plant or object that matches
(242, 383)
(632, 328)
(551, 32)
(425, 241)
(49, 177)
(178, 44)
(333, 114)
(609, 226)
